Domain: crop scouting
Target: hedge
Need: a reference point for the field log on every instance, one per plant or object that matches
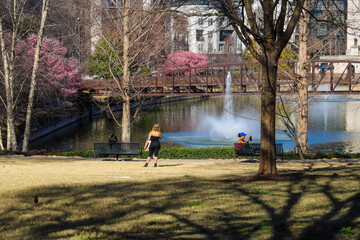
(212, 153)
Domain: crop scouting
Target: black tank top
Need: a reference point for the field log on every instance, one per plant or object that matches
(155, 139)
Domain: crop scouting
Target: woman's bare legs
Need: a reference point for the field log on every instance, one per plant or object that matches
(147, 161)
(156, 160)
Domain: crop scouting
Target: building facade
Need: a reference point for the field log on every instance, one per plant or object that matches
(327, 27)
(353, 28)
(209, 35)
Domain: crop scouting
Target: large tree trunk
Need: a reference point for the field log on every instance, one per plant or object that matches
(302, 122)
(267, 164)
(125, 122)
(33, 76)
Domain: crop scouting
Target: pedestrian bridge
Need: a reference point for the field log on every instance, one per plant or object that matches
(324, 77)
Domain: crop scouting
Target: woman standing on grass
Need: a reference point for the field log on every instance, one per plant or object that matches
(154, 137)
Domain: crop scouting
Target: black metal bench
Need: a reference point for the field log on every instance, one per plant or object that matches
(117, 149)
(253, 149)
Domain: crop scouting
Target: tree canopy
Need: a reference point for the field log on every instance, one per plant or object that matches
(106, 60)
(182, 59)
(57, 74)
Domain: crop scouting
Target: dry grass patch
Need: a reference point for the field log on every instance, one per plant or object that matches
(177, 200)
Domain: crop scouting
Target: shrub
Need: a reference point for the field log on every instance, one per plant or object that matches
(208, 153)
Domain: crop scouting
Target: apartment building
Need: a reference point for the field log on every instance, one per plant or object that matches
(353, 28)
(327, 27)
(209, 35)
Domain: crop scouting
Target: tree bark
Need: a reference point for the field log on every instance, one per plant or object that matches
(302, 121)
(45, 7)
(1, 141)
(125, 122)
(267, 164)
(8, 62)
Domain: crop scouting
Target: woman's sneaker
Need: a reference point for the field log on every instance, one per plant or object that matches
(146, 164)
(155, 164)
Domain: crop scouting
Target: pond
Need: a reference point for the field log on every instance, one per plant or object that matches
(333, 124)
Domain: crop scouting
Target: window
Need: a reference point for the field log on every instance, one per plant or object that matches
(210, 21)
(339, 6)
(200, 47)
(221, 21)
(317, 15)
(199, 35)
(200, 21)
(320, 7)
(221, 47)
(224, 34)
(210, 48)
(239, 48)
(322, 30)
(113, 2)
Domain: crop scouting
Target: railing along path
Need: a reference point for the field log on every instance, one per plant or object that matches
(324, 77)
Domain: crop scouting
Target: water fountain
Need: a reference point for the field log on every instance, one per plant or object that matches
(220, 130)
(228, 125)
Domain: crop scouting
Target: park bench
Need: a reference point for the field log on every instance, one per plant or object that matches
(117, 149)
(253, 149)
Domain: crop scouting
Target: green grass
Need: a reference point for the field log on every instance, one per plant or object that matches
(197, 204)
(347, 231)
(82, 200)
(258, 191)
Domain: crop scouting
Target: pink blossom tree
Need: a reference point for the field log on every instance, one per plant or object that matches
(182, 60)
(57, 74)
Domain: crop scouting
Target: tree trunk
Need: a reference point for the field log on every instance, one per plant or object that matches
(11, 143)
(267, 164)
(1, 141)
(8, 63)
(302, 122)
(33, 76)
(125, 122)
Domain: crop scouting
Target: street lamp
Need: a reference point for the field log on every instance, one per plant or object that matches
(79, 42)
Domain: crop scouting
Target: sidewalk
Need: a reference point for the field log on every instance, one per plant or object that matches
(172, 160)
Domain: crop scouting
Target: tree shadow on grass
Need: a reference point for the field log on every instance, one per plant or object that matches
(326, 226)
(188, 208)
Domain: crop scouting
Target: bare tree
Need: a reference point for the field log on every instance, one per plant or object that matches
(271, 31)
(139, 28)
(302, 86)
(330, 16)
(8, 41)
(44, 12)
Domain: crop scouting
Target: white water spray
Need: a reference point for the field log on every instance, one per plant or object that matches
(227, 126)
(228, 102)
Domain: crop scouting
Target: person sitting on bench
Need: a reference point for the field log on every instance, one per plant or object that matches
(112, 139)
(241, 142)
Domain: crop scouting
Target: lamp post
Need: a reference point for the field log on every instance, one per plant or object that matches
(79, 42)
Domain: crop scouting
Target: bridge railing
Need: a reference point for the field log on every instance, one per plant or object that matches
(323, 76)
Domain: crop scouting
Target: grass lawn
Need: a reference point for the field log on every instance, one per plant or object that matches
(177, 200)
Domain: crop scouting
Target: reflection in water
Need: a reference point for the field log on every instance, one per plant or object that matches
(183, 124)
